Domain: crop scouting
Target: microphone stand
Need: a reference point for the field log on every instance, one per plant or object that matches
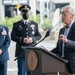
(38, 42)
(47, 34)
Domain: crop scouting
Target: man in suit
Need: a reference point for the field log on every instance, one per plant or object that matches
(66, 42)
(25, 33)
(4, 45)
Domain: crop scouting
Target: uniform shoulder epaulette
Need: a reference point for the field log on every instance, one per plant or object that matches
(32, 21)
(17, 22)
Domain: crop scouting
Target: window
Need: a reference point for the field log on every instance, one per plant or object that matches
(14, 2)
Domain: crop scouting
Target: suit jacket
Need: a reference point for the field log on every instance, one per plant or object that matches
(4, 43)
(69, 49)
(21, 31)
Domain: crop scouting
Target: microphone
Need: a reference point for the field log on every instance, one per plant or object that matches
(46, 35)
(48, 32)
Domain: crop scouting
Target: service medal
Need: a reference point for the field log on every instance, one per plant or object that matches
(20, 27)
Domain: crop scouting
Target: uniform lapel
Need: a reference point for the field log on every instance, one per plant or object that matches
(22, 24)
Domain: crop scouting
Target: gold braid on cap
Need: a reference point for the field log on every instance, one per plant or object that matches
(25, 8)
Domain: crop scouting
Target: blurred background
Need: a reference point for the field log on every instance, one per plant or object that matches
(45, 12)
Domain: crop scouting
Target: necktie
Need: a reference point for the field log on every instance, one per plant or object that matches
(25, 22)
(26, 25)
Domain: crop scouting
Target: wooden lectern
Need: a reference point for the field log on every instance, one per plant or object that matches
(42, 62)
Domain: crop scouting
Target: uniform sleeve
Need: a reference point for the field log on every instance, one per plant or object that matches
(14, 36)
(6, 42)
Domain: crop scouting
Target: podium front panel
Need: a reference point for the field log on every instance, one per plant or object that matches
(33, 63)
(41, 61)
(51, 63)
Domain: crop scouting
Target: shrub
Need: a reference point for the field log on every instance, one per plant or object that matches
(9, 21)
(47, 24)
(37, 19)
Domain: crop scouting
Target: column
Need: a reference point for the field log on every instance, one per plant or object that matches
(2, 10)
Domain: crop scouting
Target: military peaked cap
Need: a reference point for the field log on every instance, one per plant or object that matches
(24, 8)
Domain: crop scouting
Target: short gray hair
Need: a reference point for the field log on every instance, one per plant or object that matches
(69, 9)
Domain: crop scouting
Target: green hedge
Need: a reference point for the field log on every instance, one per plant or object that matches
(9, 21)
(47, 23)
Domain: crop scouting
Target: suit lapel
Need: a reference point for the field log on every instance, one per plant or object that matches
(62, 31)
(71, 31)
(69, 34)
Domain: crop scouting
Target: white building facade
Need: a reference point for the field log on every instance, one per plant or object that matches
(42, 6)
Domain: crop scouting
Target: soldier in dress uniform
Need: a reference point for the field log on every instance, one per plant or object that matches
(4, 45)
(25, 33)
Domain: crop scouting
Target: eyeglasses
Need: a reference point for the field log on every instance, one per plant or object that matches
(64, 15)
